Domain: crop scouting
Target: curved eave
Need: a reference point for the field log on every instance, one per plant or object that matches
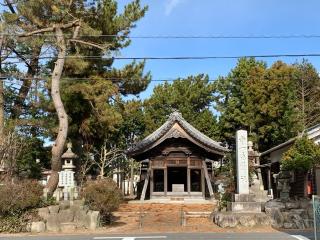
(195, 136)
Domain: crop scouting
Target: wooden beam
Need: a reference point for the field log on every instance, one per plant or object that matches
(205, 169)
(145, 185)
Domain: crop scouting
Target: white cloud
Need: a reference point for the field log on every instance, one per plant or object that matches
(170, 5)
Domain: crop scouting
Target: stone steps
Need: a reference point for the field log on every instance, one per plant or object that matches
(162, 214)
(202, 214)
(165, 207)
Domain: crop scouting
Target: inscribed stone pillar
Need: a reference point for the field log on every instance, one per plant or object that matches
(242, 162)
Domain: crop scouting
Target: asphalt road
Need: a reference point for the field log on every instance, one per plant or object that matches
(173, 236)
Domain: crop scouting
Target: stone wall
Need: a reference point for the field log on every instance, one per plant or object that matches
(66, 217)
(232, 219)
(287, 214)
(290, 213)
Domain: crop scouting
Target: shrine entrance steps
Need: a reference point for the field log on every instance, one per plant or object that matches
(177, 199)
(164, 216)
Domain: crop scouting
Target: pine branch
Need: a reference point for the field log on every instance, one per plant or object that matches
(88, 43)
(9, 4)
(21, 57)
(50, 29)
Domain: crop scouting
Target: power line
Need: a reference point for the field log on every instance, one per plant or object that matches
(215, 36)
(169, 79)
(179, 57)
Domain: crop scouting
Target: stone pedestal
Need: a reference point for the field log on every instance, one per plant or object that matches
(243, 197)
(244, 203)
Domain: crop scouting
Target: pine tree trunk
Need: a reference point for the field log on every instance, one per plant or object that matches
(58, 147)
(1, 92)
(1, 107)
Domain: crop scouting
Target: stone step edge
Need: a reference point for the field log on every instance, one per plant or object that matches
(195, 213)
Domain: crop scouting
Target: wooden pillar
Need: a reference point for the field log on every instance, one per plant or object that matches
(206, 174)
(269, 178)
(306, 180)
(151, 183)
(165, 181)
(203, 187)
(145, 185)
(188, 176)
(317, 180)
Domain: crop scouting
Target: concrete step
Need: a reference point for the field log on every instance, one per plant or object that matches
(177, 198)
(197, 214)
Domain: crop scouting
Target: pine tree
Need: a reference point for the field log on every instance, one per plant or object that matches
(192, 96)
(73, 30)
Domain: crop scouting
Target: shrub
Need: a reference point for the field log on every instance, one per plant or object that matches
(302, 156)
(16, 198)
(14, 223)
(103, 196)
(49, 201)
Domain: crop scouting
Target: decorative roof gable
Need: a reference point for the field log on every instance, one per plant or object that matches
(177, 127)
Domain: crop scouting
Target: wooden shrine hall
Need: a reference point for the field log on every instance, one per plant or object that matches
(176, 161)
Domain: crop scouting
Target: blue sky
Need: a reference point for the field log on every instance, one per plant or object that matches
(221, 17)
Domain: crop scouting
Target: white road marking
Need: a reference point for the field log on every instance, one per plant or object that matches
(299, 237)
(131, 238)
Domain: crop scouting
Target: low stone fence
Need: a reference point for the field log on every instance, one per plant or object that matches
(287, 214)
(290, 214)
(234, 219)
(66, 217)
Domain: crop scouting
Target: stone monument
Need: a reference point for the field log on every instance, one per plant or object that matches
(242, 200)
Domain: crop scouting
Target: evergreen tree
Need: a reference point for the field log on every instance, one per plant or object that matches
(74, 31)
(258, 99)
(307, 82)
(191, 96)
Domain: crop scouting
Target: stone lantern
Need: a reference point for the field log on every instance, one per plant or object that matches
(66, 176)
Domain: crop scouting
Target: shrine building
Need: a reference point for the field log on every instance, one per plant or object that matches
(177, 161)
